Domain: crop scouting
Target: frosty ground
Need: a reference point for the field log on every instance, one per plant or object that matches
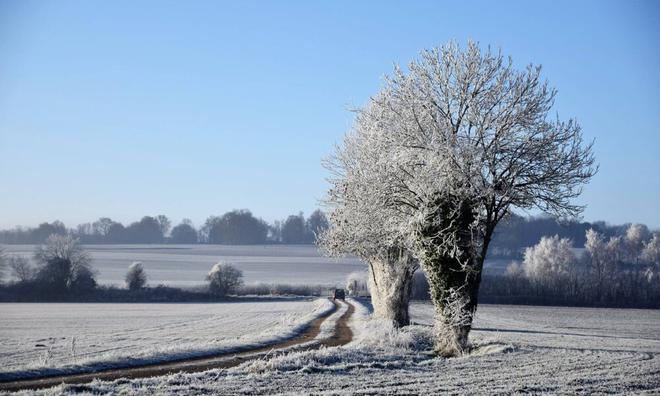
(517, 350)
(63, 338)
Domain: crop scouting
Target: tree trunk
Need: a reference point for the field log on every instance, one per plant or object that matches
(454, 292)
(390, 285)
(454, 274)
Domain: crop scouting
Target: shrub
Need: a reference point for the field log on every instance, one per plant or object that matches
(136, 278)
(224, 279)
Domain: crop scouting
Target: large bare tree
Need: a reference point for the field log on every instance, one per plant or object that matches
(448, 148)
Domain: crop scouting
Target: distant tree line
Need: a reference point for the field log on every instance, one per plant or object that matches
(241, 227)
(516, 233)
(238, 227)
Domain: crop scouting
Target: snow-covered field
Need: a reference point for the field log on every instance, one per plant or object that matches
(519, 350)
(186, 265)
(37, 338)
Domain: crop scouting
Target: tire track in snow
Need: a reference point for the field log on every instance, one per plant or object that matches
(305, 341)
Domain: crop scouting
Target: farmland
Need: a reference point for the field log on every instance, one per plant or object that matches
(41, 337)
(517, 349)
(187, 265)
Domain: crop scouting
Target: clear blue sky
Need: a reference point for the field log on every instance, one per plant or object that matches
(128, 108)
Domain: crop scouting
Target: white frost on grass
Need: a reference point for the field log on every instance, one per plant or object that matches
(372, 332)
(282, 357)
(262, 324)
(376, 343)
(555, 351)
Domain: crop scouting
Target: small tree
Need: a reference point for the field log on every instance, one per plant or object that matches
(3, 264)
(21, 268)
(635, 239)
(65, 265)
(602, 258)
(551, 258)
(651, 252)
(356, 283)
(136, 277)
(224, 279)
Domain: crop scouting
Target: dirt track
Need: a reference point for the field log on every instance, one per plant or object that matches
(341, 336)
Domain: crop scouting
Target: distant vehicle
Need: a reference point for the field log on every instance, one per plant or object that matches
(339, 294)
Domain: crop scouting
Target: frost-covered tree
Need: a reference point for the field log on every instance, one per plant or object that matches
(552, 257)
(651, 252)
(636, 237)
(356, 283)
(451, 145)
(64, 265)
(360, 225)
(595, 246)
(514, 269)
(602, 258)
(224, 279)
(136, 277)
(616, 250)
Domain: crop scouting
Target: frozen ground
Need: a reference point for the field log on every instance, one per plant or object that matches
(519, 350)
(187, 265)
(38, 338)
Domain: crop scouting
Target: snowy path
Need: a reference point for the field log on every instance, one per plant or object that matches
(329, 329)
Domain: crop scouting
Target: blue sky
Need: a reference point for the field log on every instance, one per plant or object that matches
(128, 108)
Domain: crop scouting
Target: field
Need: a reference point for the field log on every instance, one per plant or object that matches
(38, 337)
(517, 350)
(187, 265)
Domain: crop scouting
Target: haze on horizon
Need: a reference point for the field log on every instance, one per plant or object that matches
(197, 109)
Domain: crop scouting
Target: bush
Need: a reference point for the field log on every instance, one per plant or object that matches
(224, 279)
(136, 278)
